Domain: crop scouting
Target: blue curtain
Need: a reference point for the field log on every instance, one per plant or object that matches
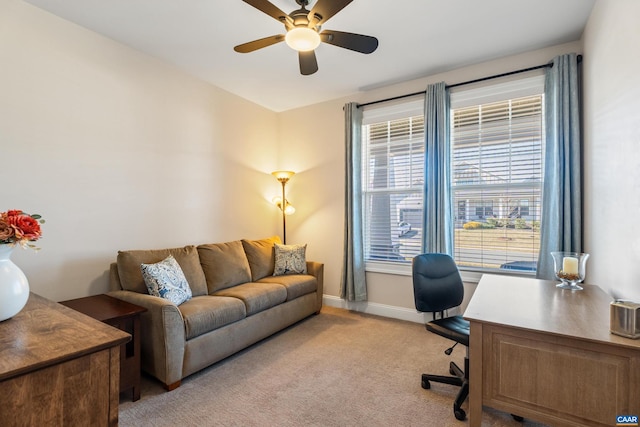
(353, 286)
(437, 235)
(561, 227)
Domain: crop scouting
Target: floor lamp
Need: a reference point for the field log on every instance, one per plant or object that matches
(282, 202)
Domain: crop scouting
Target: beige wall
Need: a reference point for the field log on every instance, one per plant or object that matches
(120, 151)
(612, 146)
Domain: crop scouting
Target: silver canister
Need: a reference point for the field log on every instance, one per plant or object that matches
(625, 319)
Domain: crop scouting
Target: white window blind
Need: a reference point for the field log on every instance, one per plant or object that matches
(393, 179)
(497, 136)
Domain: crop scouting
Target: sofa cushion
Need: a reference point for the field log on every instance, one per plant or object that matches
(128, 263)
(224, 265)
(290, 259)
(206, 313)
(256, 296)
(165, 279)
(260, 256)
(296, 284)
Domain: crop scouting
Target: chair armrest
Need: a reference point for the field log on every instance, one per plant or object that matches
(162, 336)
(316, 269)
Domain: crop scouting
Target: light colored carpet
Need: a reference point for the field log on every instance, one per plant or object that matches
(338, 368)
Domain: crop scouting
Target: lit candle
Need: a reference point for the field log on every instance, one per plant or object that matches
(570, 265)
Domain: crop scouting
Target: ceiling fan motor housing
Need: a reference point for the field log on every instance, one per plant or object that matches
(300, 18)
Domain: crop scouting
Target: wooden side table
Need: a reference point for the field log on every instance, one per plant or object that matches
(126, 317)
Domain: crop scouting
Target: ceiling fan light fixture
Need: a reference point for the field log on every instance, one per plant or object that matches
(302, 39)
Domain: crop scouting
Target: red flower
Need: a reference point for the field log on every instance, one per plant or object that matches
(24, 226)
(6, 231)
(19, 228)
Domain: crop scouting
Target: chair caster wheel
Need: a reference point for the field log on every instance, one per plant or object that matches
(517, 418)
(426, 384)
(459, 414)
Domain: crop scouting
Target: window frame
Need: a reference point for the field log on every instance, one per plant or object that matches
(377, 116)
(514, 89)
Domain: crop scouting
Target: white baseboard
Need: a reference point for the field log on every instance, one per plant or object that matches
(393, 312)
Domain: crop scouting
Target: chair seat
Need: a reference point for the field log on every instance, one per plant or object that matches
(454, 328)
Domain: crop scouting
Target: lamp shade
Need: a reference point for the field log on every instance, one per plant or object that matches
(283, 175)
(302, 39)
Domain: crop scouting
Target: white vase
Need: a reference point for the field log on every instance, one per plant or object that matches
(14, 286)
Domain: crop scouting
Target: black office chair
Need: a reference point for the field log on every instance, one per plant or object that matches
(437, 286)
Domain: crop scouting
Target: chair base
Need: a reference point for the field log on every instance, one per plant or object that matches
(459, 378)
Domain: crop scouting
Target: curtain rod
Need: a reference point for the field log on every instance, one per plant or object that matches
(524, 70)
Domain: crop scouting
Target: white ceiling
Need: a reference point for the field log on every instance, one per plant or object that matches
(417, 38)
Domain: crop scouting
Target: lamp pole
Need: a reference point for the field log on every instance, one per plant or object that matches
(284, 216)
(283, 177)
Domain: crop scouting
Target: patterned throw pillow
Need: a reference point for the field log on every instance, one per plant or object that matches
(290, 259)
(165, 279)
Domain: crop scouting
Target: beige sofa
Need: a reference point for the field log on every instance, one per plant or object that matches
(236, 302)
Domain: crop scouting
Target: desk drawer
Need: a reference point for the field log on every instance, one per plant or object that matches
(582, 383)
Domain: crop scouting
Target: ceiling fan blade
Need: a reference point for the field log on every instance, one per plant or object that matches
(268, 8)
(308, 62)
(325, 9)
(357, 42)
(258, 44)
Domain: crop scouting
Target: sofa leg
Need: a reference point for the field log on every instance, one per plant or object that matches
(173, 386)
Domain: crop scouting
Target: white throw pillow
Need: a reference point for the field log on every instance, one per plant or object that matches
(165, 279)
(290, 259)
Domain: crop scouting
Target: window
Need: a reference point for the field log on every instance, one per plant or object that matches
(497, 145)
(393, 177)
(484, 209)
(497, 153)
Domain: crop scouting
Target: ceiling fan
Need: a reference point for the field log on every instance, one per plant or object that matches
(304, 33)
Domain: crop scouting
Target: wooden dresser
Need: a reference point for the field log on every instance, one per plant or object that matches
(58, 367)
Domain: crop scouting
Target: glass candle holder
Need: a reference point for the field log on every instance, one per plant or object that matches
(570, 269)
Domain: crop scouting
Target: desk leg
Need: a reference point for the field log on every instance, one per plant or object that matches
(475, 374)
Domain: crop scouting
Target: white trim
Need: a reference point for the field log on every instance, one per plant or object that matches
(401, 313)
(404, 269)
(398, 268)
(468, 276)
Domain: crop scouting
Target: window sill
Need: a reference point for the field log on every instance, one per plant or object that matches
(397, 268)
(468, 275)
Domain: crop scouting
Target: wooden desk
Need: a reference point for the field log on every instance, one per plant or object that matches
(547, 354)
(58, 367)
(126, 317)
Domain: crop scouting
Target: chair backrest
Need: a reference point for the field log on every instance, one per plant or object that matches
(437, 284)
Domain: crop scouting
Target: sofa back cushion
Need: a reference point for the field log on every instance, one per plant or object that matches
(260, 256)
(224, 265)
(129, 263)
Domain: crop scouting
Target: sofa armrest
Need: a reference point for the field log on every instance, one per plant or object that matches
(114, 278)
(316, 269)
(162, 336)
